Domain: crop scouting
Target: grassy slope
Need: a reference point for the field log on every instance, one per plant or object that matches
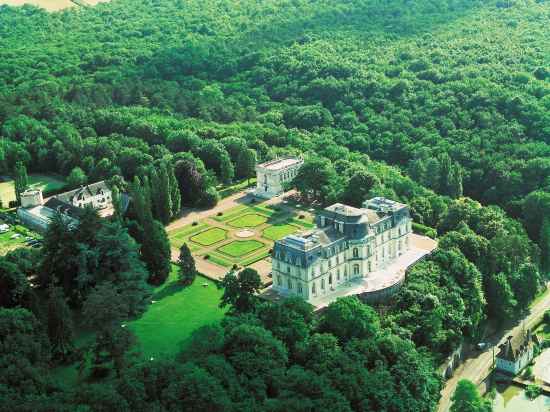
(176, 313)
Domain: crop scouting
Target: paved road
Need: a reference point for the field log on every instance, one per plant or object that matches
(477, 368)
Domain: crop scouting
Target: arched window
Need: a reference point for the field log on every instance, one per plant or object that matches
(338, 274)
(289, 283)
(313, 288)
(323, 284)
(355, 252)
(300, 290)
(330, 279)
(355, 269)
(279, 280)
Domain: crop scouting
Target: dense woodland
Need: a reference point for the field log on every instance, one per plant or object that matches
(444, 105)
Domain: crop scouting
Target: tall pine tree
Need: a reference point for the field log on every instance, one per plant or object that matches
(175, 193)
(186, 263)
(60, 324)
(164, 194)
(155, 247)
(545, 245)
(21, 180)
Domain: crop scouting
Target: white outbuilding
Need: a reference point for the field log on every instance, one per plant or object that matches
(271, 176)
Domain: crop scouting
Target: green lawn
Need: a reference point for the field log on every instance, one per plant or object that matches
(250, 220)
(36, 181)
(240, 248)
(277, 232)
(7, 243)
(209, 237)
(180, 236)
(176, 313)
(225, 191)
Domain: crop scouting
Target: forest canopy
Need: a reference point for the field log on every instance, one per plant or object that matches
(443, 105)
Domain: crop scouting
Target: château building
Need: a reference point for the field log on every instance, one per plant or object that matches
(37, 213)
(271, 176)
(348, 244)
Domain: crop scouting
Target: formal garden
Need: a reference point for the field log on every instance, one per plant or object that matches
(243, 235)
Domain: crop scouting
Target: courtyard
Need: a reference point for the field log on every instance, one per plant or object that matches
(243, 236)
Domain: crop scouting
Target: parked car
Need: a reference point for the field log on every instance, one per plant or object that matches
(482, 345)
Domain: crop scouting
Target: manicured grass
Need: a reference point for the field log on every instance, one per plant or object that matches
(180, 236)
(277, 232)
(36, 181)
(219, 260)
(240, 248)
(250, 220)
(210, 236)
(8, 244)
(255, 258)
(176, 313)
(237, 187)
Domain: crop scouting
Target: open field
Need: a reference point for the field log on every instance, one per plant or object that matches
(36, 181)
(168, 322)
(176, 313)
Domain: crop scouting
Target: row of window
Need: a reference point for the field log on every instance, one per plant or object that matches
(290, 174)
(290, 283)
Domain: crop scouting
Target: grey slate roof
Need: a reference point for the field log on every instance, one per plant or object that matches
(89, 190)
(65, 208)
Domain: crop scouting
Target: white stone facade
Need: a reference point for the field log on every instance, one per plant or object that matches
(97, 195)
(349, 243)
(271, 176)
(31, 198)
(516, 353)
(37, 214)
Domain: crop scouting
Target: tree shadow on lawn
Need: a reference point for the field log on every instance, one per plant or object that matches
(282, 215)
(169, 290)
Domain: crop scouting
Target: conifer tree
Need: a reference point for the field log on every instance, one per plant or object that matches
(175, 193)
(155, 247)
(60, 324)
(21, 180)
(164, 194)
(186, 263)
(545, 245)
(454, 185)
(156, 196)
